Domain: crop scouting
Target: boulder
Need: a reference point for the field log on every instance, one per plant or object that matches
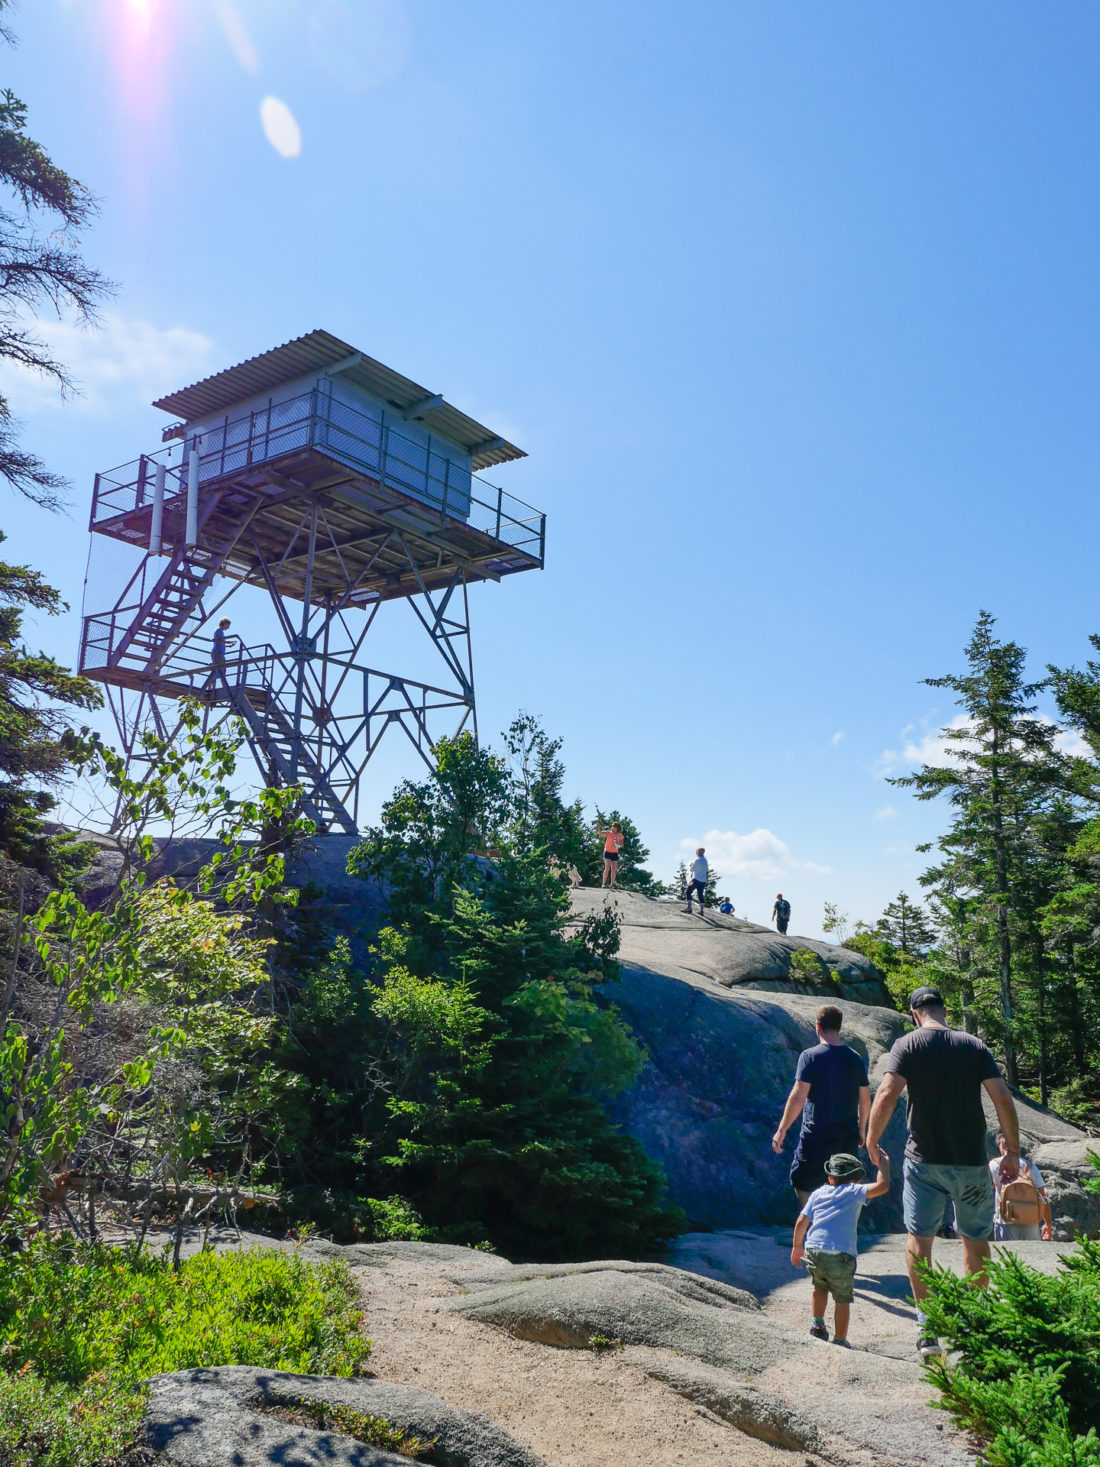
(759, 1373)
(1066, 1167)
(225, 1414)
(720, 1062)
(663, 1307)
(731, 952)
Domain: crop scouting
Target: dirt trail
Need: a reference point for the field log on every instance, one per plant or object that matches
(575, 1408)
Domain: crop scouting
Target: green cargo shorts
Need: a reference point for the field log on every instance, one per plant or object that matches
(834, 1272)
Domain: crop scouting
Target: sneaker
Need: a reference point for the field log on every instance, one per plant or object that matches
(928, 1346)
(819, 1332)
(844, 1345)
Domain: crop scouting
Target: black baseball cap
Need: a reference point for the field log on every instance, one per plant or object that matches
(926, 998)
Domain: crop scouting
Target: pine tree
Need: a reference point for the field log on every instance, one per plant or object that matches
(903, 923)
(40, 266)
(36, 745)
(1003, 767)
(542, 817)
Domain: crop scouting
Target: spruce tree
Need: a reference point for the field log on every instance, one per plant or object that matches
(903, 923)
(1003, 768)
(36, 744)
(40, 266)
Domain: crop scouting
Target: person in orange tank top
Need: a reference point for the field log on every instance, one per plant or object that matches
(612, 845)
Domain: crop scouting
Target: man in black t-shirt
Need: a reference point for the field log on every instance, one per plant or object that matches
(946, 1156)
(832, 1093)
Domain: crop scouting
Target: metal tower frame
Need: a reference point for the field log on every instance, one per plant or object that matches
(331, 515)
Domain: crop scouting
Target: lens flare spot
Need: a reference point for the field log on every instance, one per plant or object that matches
(362, 44)
(237, 34)
(280, 127)
(140, 11)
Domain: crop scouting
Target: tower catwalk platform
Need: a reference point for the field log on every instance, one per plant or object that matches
(329, 484)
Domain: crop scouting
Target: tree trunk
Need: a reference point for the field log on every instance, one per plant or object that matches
(1004, 939)
(1040, 994)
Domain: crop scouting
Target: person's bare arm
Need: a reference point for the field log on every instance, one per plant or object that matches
(882, 1184)
(791, 1111)
(864, 1112)
(801, 1227)
(885, 1101)
(1005, 1107)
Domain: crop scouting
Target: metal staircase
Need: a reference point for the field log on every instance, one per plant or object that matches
(270, 734)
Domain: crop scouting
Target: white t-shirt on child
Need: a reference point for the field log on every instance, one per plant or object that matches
(834, 1214)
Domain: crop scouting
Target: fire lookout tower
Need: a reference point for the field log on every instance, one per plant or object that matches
(332, 484)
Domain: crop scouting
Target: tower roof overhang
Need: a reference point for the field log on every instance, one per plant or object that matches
(320, 351)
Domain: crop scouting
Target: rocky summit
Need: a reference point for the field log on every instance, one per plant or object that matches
(722, 1022)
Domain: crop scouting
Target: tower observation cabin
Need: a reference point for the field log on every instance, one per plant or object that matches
(330, 484)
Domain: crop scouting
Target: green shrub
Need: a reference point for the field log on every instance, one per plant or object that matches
(1026, 1376)
(81, 1327)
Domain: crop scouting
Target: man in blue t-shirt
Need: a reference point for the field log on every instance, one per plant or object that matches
(832, 1093)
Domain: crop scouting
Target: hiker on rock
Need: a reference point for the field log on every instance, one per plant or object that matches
(825, 1235)
(781, 912)
(1021, 1206)
(698, 883)
(945, 1071)
(725, 906)
(832, 1093)
(612, 848)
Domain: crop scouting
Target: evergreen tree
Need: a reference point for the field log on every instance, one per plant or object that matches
(1003, 768)
(680, 881)
(40, 266)
(542, 818)
(36, 744)
(903, 923)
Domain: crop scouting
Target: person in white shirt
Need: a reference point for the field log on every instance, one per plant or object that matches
(1011, 1232)
(698, 882)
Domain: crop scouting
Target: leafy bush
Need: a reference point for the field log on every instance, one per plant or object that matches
(1026, 1378)
(81, 1327)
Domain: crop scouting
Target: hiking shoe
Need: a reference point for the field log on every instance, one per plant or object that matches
(819, 1332)
(928, 1346)
(844, 1345)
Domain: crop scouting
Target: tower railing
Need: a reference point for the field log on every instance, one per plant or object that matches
(316, 420)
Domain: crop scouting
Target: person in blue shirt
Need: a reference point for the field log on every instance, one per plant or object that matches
(725, 906)
(832, 1094)
(825, 1236)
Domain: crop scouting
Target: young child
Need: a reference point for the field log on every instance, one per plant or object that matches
(827, 1227)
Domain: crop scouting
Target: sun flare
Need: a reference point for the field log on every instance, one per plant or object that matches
(140, 12)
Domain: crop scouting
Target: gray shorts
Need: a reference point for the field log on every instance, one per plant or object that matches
(924, 1196)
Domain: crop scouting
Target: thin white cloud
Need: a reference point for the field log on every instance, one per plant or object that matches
(125, 360)
(836, 738)
(1069, 741)
(932, 747)
(898, 848)
(886, 812)
(759, 855)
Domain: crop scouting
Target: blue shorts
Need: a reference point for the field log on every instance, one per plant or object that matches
(928, 1185)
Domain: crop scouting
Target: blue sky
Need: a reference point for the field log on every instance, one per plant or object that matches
(792, 306)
